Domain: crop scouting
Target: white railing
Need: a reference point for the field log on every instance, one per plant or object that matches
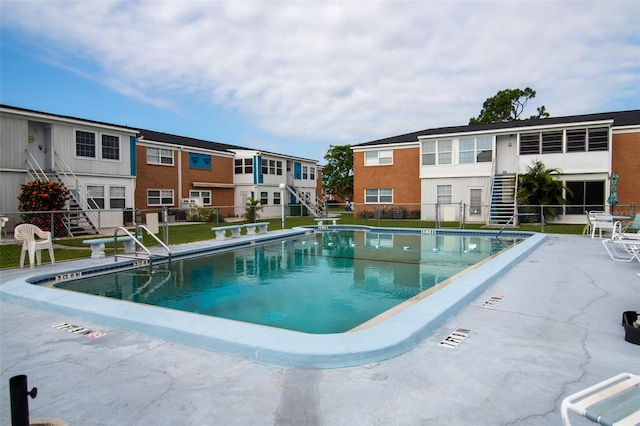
(34, 171)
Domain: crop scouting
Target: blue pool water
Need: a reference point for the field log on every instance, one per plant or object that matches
(327, 282)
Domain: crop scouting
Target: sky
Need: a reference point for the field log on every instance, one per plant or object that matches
(296, 77)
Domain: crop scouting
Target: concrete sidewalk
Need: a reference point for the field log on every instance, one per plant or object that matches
(556, 330)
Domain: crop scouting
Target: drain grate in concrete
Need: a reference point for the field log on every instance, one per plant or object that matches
(493, 301)
(81, 331)
(455, 338)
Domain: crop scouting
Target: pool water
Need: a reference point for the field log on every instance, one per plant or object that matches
(326, 282)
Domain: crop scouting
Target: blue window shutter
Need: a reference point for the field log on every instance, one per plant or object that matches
(257, 170)
(297, 170)
(132, 152)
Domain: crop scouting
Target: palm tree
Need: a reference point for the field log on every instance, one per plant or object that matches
(251, 210)
(539, 187)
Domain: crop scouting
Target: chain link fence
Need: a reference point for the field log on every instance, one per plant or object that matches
(71, 227)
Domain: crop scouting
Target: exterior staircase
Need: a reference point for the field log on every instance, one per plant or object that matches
(503, 200)
(76, 220)
(315, 207)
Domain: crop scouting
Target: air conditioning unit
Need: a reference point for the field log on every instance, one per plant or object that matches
(191, 202)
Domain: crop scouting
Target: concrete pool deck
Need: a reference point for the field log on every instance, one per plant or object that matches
(556, 330)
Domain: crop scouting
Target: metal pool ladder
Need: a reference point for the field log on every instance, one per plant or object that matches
(138, 245)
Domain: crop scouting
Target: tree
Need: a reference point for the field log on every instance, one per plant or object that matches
(539, 187)
(337, 174)
(251, 210)
(507, 105)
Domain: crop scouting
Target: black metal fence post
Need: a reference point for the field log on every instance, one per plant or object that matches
(19, 402)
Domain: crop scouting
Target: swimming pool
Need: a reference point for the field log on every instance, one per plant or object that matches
(330, 281)
(268, 345)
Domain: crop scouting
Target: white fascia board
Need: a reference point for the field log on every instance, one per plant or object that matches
(173, 147)
(520, 129)
(67, 120)
(626, 129)
(386, 146)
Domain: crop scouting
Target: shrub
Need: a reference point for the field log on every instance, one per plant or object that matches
(39, 196)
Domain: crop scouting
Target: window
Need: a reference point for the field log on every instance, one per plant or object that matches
(272, 167)
(305, 172)
(264, 198)
(85, 144)
(276, 198)
(437, 152)
(159, 156)
(95, 198)
(382, 195)
(444, 152)
(551, 142)
(278, 167)
(584, 196)
(598, 139)
(376, 158)
(160, 197)
(116, 197)
(443, 194)
(110, 147)
(312, 173)
(243, 165)
(577, 140)
(429, 153)
(264, 164)
(530, 143)
(205, 195)
(475, 201)
(476, 150)
(199, 161)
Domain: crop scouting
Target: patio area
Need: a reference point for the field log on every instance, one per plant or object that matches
(556, 330)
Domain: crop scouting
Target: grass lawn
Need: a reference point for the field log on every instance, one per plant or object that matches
(72, 248)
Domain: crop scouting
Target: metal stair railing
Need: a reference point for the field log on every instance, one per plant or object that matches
(34, 171)
(315, 208)
(70, 181)
(138, 244)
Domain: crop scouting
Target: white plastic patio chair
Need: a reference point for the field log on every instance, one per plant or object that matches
(27, 233)
(3, 222)
(615, 401)
(601, 222)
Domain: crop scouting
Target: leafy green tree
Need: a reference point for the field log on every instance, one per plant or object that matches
(540, 187)
(507, 105)
(251, 210)
(337, 174)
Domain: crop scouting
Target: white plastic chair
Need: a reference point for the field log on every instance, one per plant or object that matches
(3, 222)
(601, 222)
(27, 233)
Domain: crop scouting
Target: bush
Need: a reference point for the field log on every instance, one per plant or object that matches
(414, 214)
(39, 196)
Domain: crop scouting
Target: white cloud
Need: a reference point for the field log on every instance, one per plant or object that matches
(348, 72)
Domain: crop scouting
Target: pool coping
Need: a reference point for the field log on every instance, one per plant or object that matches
(272, 346)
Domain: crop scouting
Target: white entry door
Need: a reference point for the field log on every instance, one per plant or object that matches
(507, 155)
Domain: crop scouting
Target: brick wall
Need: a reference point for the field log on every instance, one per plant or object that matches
(626, 162)
(156, 176)
(403, 176)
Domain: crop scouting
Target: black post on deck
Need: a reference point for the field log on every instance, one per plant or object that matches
(19, 402)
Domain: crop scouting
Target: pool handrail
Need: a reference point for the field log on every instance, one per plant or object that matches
(509, 221)
(138, 243)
